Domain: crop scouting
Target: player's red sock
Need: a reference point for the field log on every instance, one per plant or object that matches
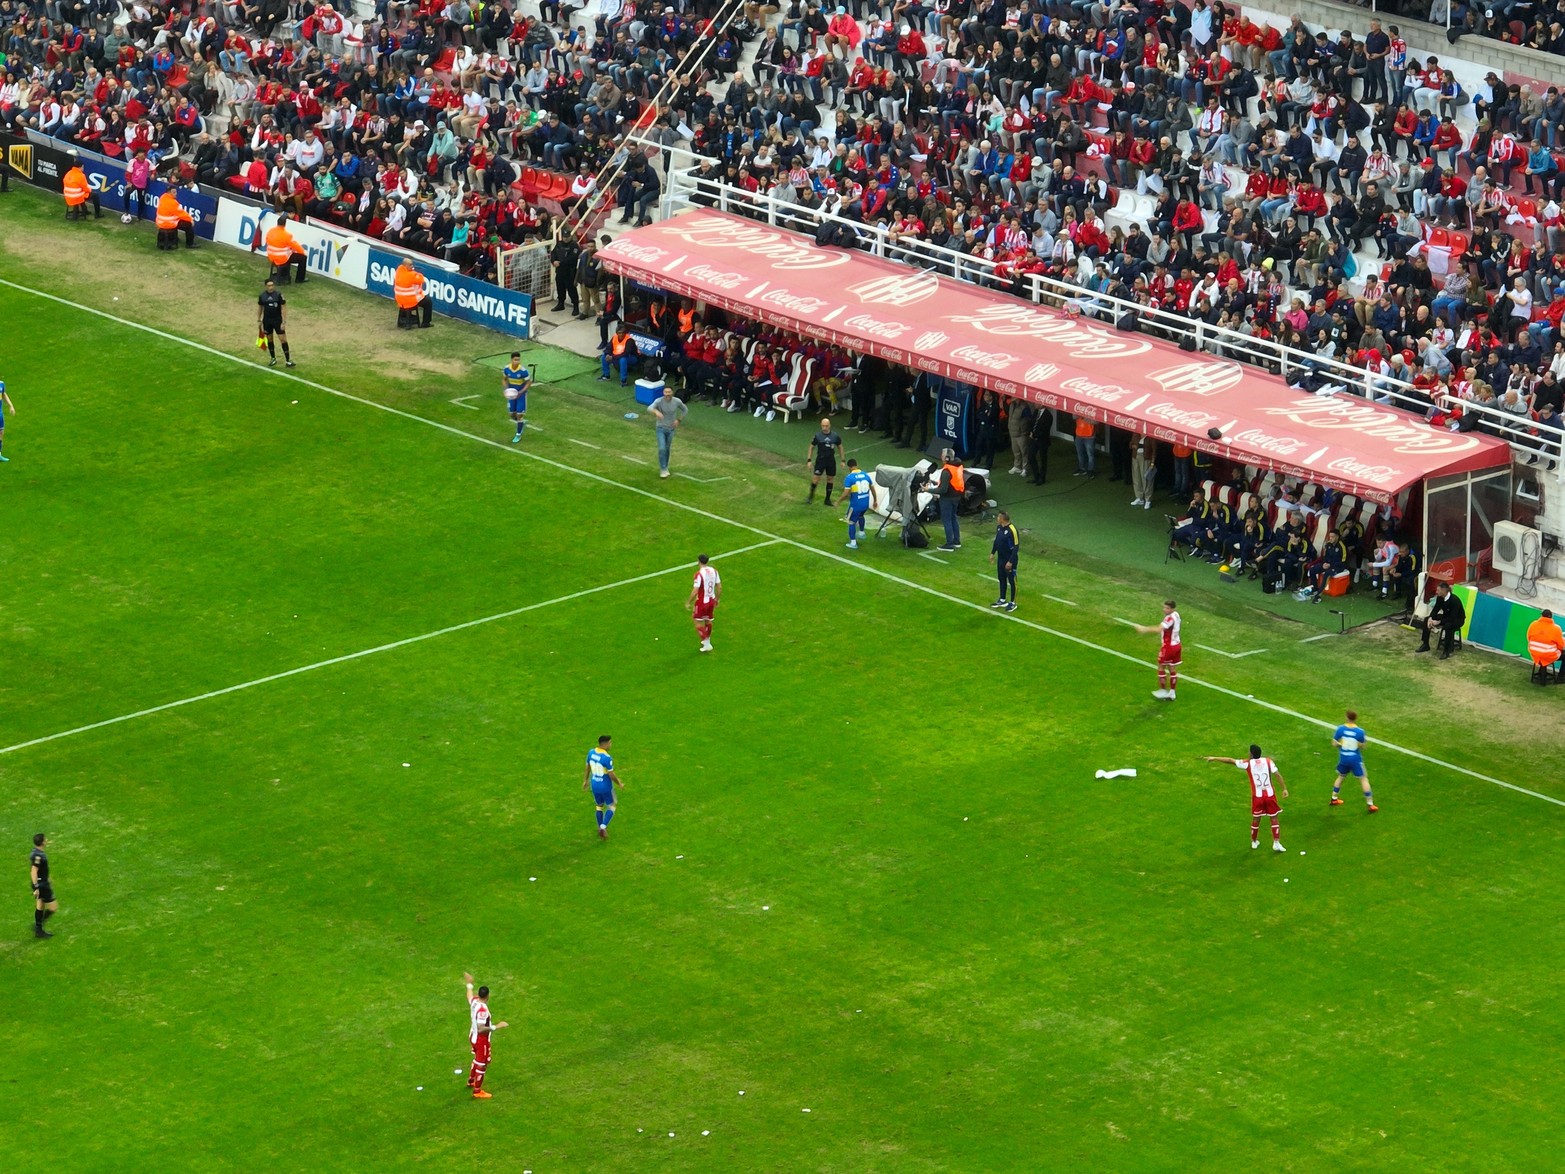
(1173, 682)
(476, 1080)
(1276, 830)
(1255, 828)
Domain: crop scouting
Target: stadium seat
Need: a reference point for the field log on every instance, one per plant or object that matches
(1459, 243)
(794, 399)
(1439, 238)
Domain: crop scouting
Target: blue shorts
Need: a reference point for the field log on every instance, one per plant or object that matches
(1351, 766)
(605, 797)
(519, 404)
(856, 513)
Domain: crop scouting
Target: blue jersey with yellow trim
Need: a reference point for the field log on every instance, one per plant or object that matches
(1349, 741)
(600, 765)
(857, 485)
(515, 380)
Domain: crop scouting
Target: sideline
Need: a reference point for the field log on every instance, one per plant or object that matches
(769, 539)
(364, 652)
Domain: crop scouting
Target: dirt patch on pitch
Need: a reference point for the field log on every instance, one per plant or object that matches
(215, 305)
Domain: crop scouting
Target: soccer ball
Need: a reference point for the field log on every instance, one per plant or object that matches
(126, 218)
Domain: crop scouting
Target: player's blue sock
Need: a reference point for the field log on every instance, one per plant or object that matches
(1369, 797)
(1336, 789)
(521, 426)
(853, 532)
(600, 817)
(608, 816)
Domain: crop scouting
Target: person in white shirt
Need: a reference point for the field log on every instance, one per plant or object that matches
(306, 153)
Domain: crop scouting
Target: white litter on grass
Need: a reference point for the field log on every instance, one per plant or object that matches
(679, 858)
(741, 1092)
(671, 1133)
(806, 1110)
(532, 878)
(294, 401)
(1284, 880)
(456, 1071)
(706, 1133)
(407, 764)
(964, 819)
(1301, 851)
(764, 908)
(1127, 772)
(638, 1131)
(421, 1088)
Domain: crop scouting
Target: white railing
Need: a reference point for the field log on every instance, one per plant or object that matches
(1531, 442)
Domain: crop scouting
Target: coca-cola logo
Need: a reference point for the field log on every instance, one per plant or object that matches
(962, 375)
(1080, 385)
(1405, 433)
(1078, 340)
(799, 303)
(875, 327)
(923, 364)
(1198, 378)
(1005, 387)
(1360, 471)
(993, 360)
(1165, 434)
(1259, 441)
(893, 356)
(715, 277)
(1194, 420)
(896, 289)
(783, 251)
(635, 252)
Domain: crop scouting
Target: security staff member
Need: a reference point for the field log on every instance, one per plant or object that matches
(411, 292)
(44, 904)
(1039, 437)
(79, 192)
(621, 353)
(1446, 616)
(171, 218)
(563, 257)
(282, 249)
(1545, 643)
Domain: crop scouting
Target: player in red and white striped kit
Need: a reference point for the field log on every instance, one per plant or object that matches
(1265, 782)
(1169, 652)
(705, 592)
(482, 1027)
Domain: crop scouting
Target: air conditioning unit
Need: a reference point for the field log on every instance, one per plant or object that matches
(1513, 543)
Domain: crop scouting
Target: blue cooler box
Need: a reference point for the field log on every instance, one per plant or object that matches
(648, 390)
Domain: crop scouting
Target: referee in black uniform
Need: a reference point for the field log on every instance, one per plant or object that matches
(271, 322)
(43, 892)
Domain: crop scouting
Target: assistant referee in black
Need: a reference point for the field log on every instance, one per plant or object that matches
(44, 903)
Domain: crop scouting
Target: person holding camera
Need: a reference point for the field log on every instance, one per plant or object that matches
(948, 487)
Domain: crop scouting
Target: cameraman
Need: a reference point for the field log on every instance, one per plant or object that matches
(948, 487)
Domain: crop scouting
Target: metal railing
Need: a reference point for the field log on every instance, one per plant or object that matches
(1531, 442)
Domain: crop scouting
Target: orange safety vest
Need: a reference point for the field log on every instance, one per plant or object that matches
(1181, 451)
(1085, 428)
(619, 342)
(954, 472)
(280, 245)
(1544, 641)
(170, 214)
(408, 286)
(687, 321)
(76, 189)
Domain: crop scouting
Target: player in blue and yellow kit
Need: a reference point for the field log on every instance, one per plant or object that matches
(1349, 740)
(515, 379)
(860, 488)
(601, 780)
(1005, 554)
(5, 406)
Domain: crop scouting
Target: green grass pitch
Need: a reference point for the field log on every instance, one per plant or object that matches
(865, 906)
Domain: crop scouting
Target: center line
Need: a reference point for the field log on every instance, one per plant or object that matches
(583, 443)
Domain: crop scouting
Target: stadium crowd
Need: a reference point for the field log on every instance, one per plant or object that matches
(1262, 159)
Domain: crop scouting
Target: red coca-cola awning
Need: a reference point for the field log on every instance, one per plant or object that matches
(991, 340)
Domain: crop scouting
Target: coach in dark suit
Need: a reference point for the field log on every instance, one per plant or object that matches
(1446, 617)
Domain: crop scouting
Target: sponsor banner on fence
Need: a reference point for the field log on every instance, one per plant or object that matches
(341, 256)
(457, 296)
(41, 161)
(35, 163)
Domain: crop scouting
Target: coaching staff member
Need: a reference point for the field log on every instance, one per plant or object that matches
(44, 903)
(1446, 616)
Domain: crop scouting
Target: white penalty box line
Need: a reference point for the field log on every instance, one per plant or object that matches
(379, 648)
(767, 537)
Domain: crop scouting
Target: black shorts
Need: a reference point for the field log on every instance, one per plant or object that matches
(45, 892)
(826, 464)
(268, 326)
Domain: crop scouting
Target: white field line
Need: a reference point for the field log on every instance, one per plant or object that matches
(583, 443)
(865, 568)
(1057, 599)
(1231, 655)
(1322, 636)
(934, 558)
(459, 401)
(379, 648)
